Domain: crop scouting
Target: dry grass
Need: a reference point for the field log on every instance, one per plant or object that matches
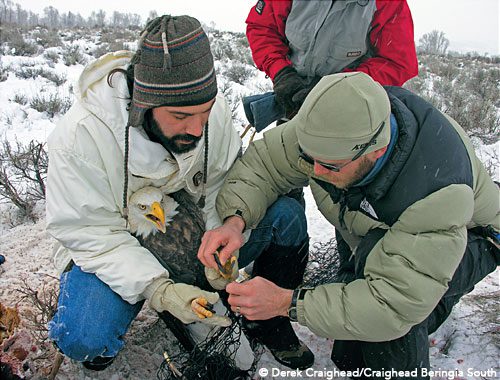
(42, 305)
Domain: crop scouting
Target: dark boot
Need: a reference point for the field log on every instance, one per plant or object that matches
(99, 363)
(285, 267)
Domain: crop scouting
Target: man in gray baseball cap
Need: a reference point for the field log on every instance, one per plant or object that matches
(401, 182)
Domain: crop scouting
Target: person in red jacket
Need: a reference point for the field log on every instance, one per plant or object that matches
(297, 42)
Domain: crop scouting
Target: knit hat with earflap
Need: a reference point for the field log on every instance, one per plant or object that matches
(173, 66)
(341, 115)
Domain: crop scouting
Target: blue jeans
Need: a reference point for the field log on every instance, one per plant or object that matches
(91, 319)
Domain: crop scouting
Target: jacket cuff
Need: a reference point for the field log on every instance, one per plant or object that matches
(243, 214)
(277, 67)
(151, 288)
(301, 317)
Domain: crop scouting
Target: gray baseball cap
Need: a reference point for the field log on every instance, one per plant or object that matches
(341, 115)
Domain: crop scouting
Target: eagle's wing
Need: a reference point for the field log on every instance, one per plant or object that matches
(177, 248)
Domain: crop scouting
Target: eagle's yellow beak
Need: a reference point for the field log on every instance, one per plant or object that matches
(157, 216)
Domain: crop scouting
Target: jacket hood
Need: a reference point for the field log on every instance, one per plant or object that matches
(99, 69)
(110, 105)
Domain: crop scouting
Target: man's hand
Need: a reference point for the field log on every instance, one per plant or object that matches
(229, 236)
(259, 299)
(186, 302)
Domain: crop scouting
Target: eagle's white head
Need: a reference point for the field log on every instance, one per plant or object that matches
(150, 211)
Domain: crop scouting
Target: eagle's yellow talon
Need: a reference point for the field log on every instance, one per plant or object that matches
(201, 316)
(198, 305)
(228, 268)
(201, 301)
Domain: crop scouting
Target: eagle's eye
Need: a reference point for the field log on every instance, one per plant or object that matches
(142, 207)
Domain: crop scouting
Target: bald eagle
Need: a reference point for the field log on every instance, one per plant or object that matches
(170, 226)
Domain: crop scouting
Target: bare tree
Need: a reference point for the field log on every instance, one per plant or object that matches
(116, 19)
(152, 15)
(33, 19)
(434, 42)
(98, 18)
(134, 20)
(51, 19)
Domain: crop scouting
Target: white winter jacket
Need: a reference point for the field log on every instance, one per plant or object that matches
(85, 178)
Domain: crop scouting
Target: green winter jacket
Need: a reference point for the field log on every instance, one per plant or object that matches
(408, 270)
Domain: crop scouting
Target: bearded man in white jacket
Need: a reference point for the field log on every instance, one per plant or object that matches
(152, 118)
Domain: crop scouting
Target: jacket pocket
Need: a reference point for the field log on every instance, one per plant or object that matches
(342, 56)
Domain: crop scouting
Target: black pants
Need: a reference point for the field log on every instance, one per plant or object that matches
(285, 267)
(412, 350)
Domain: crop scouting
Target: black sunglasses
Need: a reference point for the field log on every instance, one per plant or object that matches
(337, 168)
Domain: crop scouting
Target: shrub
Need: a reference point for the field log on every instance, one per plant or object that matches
(47, 38)
(238, 72)
(23, 171)
(464, 87)
(17, 45)
(4, 74)
(57, 79)
(416, 85)
(118, 35)
(100, 50)
(33, 72)
(104, 48)
(72, 55)
(20, 99)
(244, 53)
(51, 55)
(52, 104)
(222, 50)
(27, 72)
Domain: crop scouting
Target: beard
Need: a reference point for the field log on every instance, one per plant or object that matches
(365, 166)
(171, 144)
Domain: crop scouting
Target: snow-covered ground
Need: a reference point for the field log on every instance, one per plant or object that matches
(468, 341)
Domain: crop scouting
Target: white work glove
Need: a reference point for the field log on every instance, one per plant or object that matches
(185, 302)
(217, 279)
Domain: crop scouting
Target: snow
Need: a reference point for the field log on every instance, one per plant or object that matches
(467, 340)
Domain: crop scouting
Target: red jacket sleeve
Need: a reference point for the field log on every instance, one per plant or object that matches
(266, 35)
(391, 35)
